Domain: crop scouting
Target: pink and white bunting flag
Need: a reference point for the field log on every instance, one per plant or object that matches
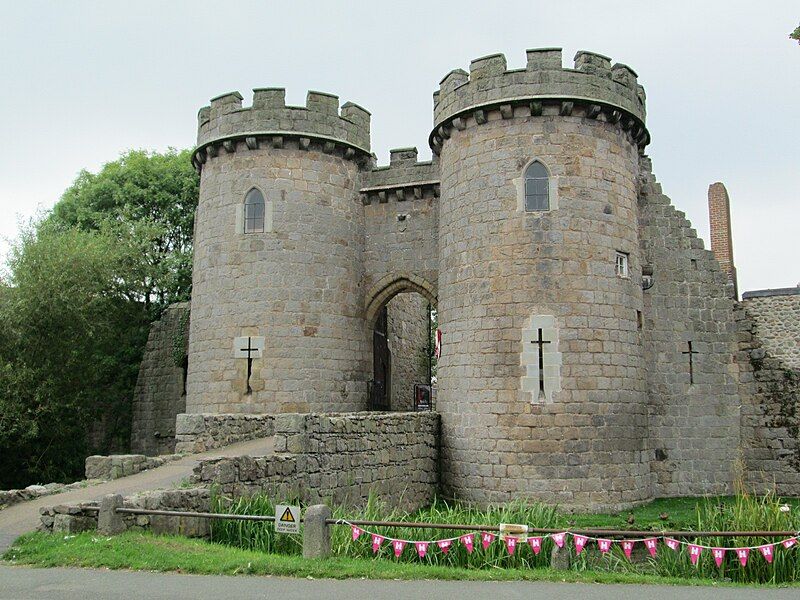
(580, 542)
(694, 553)
(558, 538)
(398, 546)
(377, 540)
(604, 545)
(487, 538)
(444, 545)
(651, 544)
(789, 543)
(468, 541)
(511, 543)
(743, 554)
(422, 548)
(672, 544)
(627, 548)
(356, 532)
(718, 554)
(767, 552)
(536, 544)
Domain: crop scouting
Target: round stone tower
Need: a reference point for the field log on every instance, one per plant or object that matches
(541, 379)
(277, 313)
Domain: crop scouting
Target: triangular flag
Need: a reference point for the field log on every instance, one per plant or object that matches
(651, 544)
(511, 543)
(673, 544)
(719, 554)
(535, 544)
(444, 545)
(377, 540)
(398, 546)
(789, 543)
(743, 553)
(604, 545)
(468, 541)
(627, 548)
(558, 538)
(487, 538)
(356, 532)
(422, 548)
(580, 542)
(766, 552)
(694, 553)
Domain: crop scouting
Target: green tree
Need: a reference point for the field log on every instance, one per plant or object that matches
(70, 349)
(795, 35)
(146, 201)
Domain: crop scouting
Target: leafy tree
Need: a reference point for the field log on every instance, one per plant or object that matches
(795, 35)
(147, 202)
(70, 351)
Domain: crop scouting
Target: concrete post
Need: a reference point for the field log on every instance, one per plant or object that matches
(109, 521)
(316, 532)
(559, 558)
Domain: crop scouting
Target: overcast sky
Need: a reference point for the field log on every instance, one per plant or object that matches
(84, 81)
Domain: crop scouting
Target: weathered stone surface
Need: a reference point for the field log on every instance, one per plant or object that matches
(316, 532)
(110, 522)
(201, 432)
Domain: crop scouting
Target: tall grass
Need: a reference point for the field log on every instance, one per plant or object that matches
(740, 513)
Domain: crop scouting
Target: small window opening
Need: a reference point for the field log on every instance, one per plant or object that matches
(621, 266)
(537, 187)
(639, 320)
(254, 212)
(694, 264)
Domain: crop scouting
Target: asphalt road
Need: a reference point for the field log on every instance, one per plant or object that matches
(23, 517)
(18, 583)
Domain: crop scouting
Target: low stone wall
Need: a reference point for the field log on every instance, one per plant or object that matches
(201, 432)
(339, 459)
(122, 465)
(9, 497)
(74, 519)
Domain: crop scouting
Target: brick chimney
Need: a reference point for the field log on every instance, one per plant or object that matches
(719, 214)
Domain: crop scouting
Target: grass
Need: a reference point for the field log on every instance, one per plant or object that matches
(146, 552)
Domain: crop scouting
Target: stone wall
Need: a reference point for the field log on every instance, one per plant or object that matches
(74, 519)
(201, 432)
(123, 465)
(770, 429)
(339, 459)
(159, 394)
(407, 332)
(776, 315)
(693, 427)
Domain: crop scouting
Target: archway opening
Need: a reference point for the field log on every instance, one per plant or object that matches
(402, 318)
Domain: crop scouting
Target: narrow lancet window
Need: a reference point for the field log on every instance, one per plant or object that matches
(537, 187)
(254, 212)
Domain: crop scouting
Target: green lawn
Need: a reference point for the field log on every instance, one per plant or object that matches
(145, 552)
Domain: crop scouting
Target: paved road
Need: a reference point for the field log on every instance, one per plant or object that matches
(19, 583)
(20, 518)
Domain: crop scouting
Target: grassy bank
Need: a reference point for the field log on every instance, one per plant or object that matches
(140, 551)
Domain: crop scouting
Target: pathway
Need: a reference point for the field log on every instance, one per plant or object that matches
(22, 583)
(20, 518)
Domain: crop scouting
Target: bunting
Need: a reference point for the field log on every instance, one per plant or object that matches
(605, 545)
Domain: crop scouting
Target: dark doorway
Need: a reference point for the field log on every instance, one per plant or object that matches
(382, 363)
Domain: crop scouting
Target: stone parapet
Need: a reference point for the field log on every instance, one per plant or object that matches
(598, 89)
(226, 125)
(339, 458)
(776, 315)
(201, 432)
(405, 178)
(123, 465)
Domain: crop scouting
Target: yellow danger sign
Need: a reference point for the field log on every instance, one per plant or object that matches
(287, 518)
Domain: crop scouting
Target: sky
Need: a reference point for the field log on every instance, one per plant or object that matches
(85, 81)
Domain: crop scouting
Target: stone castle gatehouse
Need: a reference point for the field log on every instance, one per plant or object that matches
(593, 352)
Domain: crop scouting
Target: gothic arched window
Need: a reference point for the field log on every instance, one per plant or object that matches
(254, 212)
(537, 187)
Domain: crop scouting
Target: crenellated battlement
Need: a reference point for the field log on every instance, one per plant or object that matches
(595, 87)
(404, 178)
(225, 122)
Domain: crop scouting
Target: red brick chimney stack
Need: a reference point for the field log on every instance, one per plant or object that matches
(719, 214)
